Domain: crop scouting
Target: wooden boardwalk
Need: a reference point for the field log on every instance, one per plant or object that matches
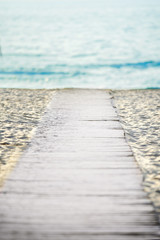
(78, 179)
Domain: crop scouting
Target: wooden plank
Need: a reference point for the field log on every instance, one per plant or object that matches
(78, 178)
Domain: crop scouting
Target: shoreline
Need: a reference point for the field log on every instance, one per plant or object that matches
(81, 88)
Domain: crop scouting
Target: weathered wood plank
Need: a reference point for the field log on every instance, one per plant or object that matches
(78, 178)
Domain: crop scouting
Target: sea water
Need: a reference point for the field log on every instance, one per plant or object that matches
(86, 44)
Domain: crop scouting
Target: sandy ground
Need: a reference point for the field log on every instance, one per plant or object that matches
(139, 112)
(78, 179)
(20, 111)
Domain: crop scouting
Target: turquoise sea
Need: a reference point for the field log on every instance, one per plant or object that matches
(77, 43)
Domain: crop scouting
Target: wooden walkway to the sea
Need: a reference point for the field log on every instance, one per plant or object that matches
(78, 179)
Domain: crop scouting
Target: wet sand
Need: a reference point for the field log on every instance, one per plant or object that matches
(20, 112)
(139, 112)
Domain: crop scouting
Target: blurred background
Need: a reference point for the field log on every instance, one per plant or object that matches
(80, 43)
